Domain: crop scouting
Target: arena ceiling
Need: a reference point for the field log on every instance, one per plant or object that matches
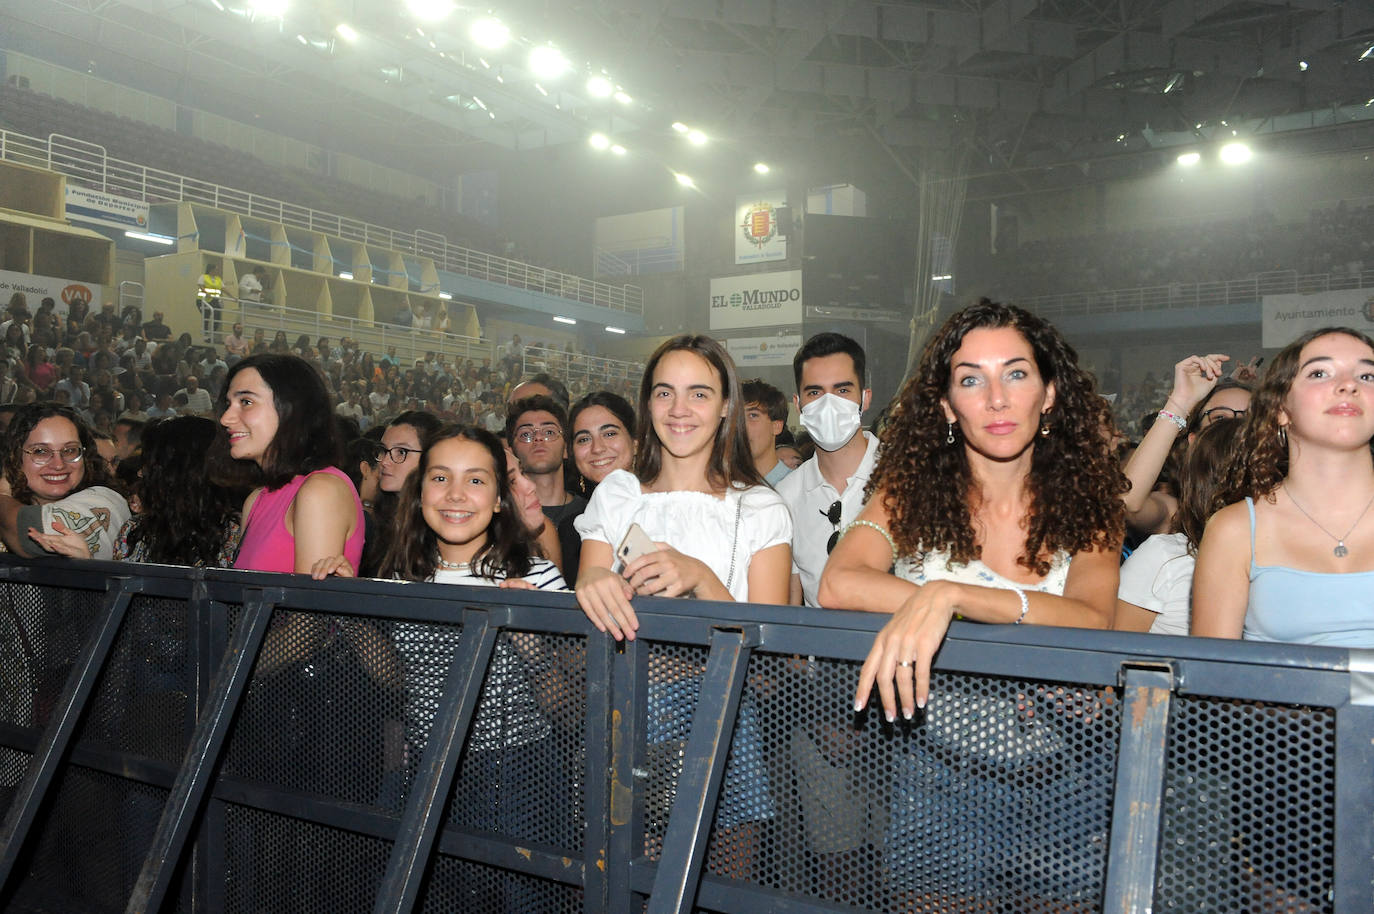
(1011, 86)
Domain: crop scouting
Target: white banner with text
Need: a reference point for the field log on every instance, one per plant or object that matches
(1287, 317)
(756, 300)
(36, 288)
(763, 350)
(106, 209)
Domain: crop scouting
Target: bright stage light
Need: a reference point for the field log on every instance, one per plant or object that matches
(429, 10)
(617, 149)
(268, 9)
(599, 87)
(346, 32)
(762, 168)
(599, 141)
(623, 97)
(696, 137)
(1189, 158)
(489, 33)
(1235, 153)
(548, 62)
(684, 180)
(680, 127)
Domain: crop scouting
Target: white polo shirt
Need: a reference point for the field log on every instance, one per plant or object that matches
(808, 497)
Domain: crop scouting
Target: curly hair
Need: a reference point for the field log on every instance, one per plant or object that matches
(186, 518)
(94, 470)
(1075, 483)
(414, 547)
(1259, 461)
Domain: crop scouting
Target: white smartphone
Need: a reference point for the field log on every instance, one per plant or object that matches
(635, 544)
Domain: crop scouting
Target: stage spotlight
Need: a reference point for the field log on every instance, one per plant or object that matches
(623, 97)
(1235, 153)
(1189, 158)
(599, 141)
(599, 87)
(489, 33)
(429, 10)
(762, 168)
(684, 180)
(346, 32)
(617, 149)
(679, 127)
(547, 62)
(696, 137)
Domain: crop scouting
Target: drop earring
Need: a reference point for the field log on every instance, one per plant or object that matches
(949, 435)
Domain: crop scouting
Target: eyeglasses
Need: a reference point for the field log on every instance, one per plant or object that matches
(42, 455)
(398, 454)
(531, 435)
(1220, 412)
(832, 514)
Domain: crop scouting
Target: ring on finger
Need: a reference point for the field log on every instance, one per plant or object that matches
(904, 663)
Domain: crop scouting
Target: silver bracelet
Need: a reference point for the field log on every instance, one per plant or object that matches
(1025, 604)
(1175, 418)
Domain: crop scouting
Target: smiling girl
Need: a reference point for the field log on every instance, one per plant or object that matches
(1293, 558)
(603, 437)
(278, 429)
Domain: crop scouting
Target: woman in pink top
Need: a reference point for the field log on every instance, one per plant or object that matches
(278, 425)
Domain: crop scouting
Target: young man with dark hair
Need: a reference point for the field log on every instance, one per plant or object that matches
(537, 431)
(765, 411)
(826, 492)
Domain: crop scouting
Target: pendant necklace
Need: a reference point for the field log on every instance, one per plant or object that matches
(1340, 551)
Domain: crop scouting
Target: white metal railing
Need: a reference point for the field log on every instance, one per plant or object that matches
(377, 337)
(88, 164)
(583, 373)
(1186, 296)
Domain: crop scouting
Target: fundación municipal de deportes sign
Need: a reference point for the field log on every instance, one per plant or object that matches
(756, 300)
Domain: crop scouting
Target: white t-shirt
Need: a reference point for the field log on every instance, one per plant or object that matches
(809, 497)
(249, 288)
(1158, 576)
(694, 523)
(97, 513)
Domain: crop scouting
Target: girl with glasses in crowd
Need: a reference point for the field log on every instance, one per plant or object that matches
(57, 498)
(400, 453)
(1292, 557)
(278, 432)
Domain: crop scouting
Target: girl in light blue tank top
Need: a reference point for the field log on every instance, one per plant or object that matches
(1301, 484)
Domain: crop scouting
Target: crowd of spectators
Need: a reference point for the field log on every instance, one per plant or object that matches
(1336, 241)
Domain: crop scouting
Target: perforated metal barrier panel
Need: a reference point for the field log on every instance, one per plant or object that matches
(195, 741)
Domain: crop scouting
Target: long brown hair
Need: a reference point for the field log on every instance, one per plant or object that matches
(1075, 483)
(730, 462)
(1200, 483)
(1259, 461)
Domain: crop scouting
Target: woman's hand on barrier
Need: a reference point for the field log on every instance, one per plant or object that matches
(899, 661)
(667, 573)
(335, 565)
(516, 584)
(62, 541)
(605, 597)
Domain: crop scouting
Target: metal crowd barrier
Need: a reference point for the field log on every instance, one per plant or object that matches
(217, 741)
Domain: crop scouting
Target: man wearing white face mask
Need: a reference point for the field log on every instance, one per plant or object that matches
(826, 492)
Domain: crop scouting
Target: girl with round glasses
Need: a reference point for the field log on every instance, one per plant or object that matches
(57, 497)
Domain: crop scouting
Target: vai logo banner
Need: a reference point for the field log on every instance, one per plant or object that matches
(756, 300)
(756, 228)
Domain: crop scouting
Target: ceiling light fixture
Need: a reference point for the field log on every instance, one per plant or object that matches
(490, 33)
(563, 320)
(346, 32)
(1235, 153)
(696, 138)
(617, 149)
(599, 87)
(542, 91)
(684, 180)
(429, 10)
(344, 274)
(599, 141)
(623, 97)
(1302, 65)
(1189, 158)
(445, 296)
(547, 62)
(148, 236)
(268, 9)
(680, 127)
(762, 168)
(614, 330)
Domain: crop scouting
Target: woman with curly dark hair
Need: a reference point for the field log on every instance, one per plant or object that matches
(995, 496)
(1292, 559)
(57, 495)
(186, 519)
